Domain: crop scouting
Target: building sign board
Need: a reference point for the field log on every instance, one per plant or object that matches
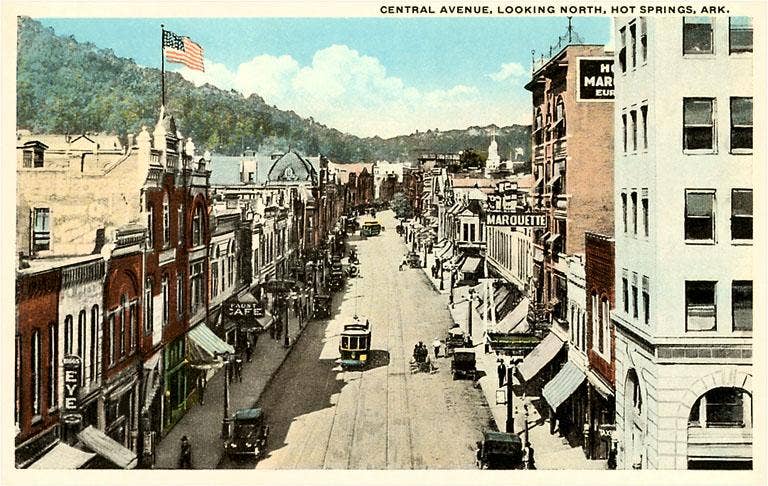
(72, 375)
(595, 79)
(508, 218)
(235, 310)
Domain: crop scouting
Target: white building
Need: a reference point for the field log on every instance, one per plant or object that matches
(493, 161)
(683, 200)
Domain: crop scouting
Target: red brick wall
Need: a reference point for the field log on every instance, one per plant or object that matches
(37, 307)
(599, 273)
(123, 278)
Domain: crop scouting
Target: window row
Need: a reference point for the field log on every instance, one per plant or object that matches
(698, 35)
(700, 127)
(601, 320)
(165, 242)
(577, 327)
(122, 330)
(700, 215)
(631, 52)
(630, 296)
(81, 341)
(635, 123)
(701, 305)
(629, 212)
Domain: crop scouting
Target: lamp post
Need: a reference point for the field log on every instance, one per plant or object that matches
(226, 420)
(525, 410)
(510, 425)
(453, 276)
(469, 312)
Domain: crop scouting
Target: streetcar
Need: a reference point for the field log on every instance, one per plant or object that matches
(371, 228)
(355, 345)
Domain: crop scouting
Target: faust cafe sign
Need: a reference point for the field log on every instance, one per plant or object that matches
(503, 209)
(240, 310)
(72, 374)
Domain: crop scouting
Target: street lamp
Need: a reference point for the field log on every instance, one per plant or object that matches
(510, 425)
(226, 420)
(469, 311)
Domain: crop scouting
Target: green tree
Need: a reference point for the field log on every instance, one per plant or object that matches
(401, 206)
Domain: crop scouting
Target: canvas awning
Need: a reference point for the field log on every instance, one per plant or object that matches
(471, 265)
(552, 238)
(151, 379)
(266, 320)
(108, 448)
(604, 390)
(63, 456)
(517, 320)
(554, 179)
(204, 346)
(562, 386)
(458, 260)
(445, 252)
(542, 354)
(456, 208)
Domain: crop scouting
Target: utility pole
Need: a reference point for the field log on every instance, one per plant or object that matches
(510, 425)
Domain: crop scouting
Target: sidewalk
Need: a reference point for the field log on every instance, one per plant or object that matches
(552, 451)
(202, 423)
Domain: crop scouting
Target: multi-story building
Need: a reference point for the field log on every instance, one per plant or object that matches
(683, 189)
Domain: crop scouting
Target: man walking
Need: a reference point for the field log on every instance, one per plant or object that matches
(436, 344)
(502, 372)
(201, 387)
(248, 350)
(185, 454)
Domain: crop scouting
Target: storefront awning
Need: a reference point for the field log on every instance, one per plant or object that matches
(458, 260)
(445, 252)
(542, 354)
(204, 346)
(604, 390)
(265, 321)
(517, 320)
(562, 386)
(63, 456)
(471, 265)
(151, 379)
(106, 447)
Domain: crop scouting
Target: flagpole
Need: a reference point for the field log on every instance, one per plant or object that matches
(162, 64)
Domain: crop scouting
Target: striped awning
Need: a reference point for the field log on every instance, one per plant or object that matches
(542, 354)
(517, 320)
(63, 456)
(204, 346)
(470, 265)
(562, 386)
(105, 446)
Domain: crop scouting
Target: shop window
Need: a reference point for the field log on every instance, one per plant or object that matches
(699, 216)
(700, 306)
(722, 407)
(740, 34)
(741, 301)
(697, 35)
(698, 124)
(741, 125)
(741, 214)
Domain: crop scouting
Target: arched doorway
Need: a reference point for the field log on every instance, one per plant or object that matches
(634, 425)
(720, 430)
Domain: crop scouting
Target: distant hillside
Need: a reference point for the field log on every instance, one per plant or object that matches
(65, 86)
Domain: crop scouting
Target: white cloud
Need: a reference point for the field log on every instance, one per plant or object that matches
(352, 92)
(509, 70)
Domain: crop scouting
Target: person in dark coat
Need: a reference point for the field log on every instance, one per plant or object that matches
(502, 372)
(248, 350)
(185, 454)
(201, 387)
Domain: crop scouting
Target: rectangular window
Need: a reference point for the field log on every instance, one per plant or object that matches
(624, 131)
(741, 125)
(38, 159)
(699, 216)
(635, 309)
(41, 229)
(123, 312)
(180, 224)
(214, 279)
(35, 371)
(53, 352)
(697, 35)
(180, 294)
(643, 40)
(633, 137)
(741, 214)
(166, 225)
(625, 293)
(133, 321)
(633, 44)
(644, 116)
(646, 224)
(698, 124)
(700, 308)
(740, 34)
(741, 300)
(27, 161)
(623, 49)
(633, 197)
(166, 301)
(471, 232)
(111, 337)
(150, 228)
(624, 210)
(646, 301)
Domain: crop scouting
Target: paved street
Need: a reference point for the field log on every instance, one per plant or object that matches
(383, 417)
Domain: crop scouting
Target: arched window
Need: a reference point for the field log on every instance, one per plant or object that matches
(197, 226)
(123, 322)
(166, 222)
(68, 335)
(148, 324)
(150, 225)
(166, 300)
(722, 407)
(81, 333)
(559, 117)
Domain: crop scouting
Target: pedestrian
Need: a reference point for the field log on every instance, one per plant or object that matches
(278, 329)
(436, 344)
(612, 456)
(528, 455)
(248, 350)
(239, 368)
(201, 387)
(502, 372)
(185, 454)
(272, 332)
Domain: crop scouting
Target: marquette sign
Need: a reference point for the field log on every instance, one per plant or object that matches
(528, 220)
(595, 75)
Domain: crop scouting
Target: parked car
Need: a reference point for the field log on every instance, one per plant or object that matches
(500, 450)
(463, 363)
(249, 433)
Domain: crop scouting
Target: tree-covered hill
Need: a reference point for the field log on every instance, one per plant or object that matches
(65, 86)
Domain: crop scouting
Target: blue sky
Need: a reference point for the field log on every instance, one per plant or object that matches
(366, 76)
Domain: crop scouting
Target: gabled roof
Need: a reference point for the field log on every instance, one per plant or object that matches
(292, 167)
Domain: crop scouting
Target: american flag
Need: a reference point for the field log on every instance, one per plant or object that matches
(183, 51)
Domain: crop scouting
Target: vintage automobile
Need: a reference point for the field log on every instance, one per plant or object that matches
(455, 338)
(500, 450)
(336, 279)
(249, 433)
(463, 363)
(413, 259)
(322, 306)
(351, 225)
(371, 228)
(353, 256)
(355, 344)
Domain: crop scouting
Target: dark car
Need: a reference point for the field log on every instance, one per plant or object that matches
(249, 433)
(322, 303)
(500, 450)
(463, 363)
